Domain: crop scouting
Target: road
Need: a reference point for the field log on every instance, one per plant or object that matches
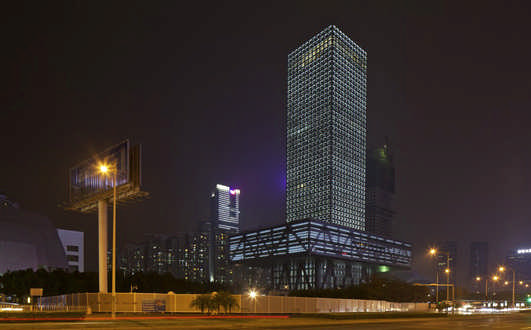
(508, 322)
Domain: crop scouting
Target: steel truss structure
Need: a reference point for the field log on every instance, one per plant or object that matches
(313, 254)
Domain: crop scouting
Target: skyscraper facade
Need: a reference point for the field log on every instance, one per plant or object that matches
(324, 243)
(225, 209)
(380, 191)
(224, 221)
(479, 264)
(479, 259)
(326, 130)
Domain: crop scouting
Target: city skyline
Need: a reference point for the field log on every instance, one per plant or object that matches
(59, 89)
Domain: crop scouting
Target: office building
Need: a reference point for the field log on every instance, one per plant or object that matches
(520, 260)
(311, 253)
(326, 130)
(479, 259)
(380, 191)
(224, 221)
(324, 243)
(479, 264)
(73, 244)
(225, 209)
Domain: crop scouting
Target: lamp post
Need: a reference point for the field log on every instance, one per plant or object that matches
(434, 252)
(106, 170)
(478, 278)
(502, 269)
(495, 279)
(252, 295)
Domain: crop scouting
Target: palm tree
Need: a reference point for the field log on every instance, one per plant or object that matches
(202, 302)
(226, 300)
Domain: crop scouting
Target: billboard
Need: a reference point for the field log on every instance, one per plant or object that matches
(86, 180)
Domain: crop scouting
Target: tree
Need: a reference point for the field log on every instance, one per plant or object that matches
(202, 302)
(226, 300)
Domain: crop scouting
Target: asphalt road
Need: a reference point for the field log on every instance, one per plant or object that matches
(514, 321)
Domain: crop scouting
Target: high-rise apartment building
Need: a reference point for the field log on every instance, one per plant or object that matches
(380, 191)
(225, 209)
(326, 130)
(479, 259)
(479, 264)
(184, 255)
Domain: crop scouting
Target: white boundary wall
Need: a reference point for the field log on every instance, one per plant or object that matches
(180, 303)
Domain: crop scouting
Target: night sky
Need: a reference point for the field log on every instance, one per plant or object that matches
(203, 89)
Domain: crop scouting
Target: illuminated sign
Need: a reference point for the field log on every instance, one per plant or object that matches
(523, 251)
(86, 178)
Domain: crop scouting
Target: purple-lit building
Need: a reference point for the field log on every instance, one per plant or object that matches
(324, 243)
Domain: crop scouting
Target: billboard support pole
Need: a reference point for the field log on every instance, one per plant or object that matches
(102, 245)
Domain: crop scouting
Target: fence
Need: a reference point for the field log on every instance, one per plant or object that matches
(180, 303)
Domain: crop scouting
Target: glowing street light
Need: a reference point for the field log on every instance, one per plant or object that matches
(434, 252)
(521, 282)
(478, 279)
(253, 294)
(502, 269)
(104, 169)
(495, 278)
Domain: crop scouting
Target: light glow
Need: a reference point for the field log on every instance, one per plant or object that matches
(253, 294)
(522, 251)
(222, 187)
(11, 309)
(104, 169)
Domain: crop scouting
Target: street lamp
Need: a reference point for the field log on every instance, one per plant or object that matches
(502, 269)
(253, 294)
(106, 170)
(495, 279)
(434, 252)
(486, 287)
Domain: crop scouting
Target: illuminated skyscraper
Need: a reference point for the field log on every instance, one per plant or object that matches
(225, 209)
(326, 130)
(224, 221)
(324, 244)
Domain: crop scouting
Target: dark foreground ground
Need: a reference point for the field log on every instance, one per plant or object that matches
(514, 321)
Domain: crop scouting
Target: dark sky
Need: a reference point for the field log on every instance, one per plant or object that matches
(203, 88)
